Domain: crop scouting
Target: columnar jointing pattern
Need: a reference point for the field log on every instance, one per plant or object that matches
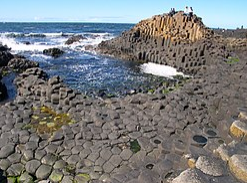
(178, 41)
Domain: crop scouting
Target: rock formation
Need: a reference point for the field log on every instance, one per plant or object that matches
(178, 41)
(74, 39)
(54, 52)
(140, 138)
(20, 64)
(11, 63)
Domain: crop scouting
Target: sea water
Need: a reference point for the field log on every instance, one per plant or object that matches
(80, 69)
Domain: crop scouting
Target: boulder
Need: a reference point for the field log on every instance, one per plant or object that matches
(211, 166)
(4, 48)
(5, 57)
(239, 129)
(20, 64)
(54, 52)
(26, 42)
(89, 48)
(238, 166)
(73, 39)
(192, 176)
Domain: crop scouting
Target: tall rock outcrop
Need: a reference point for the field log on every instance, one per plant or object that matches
(178, 41)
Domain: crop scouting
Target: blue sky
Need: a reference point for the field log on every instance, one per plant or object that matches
(215, 13)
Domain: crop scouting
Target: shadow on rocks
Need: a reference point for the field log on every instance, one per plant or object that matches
(3, 179)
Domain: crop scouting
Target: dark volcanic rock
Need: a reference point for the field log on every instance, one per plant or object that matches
(5, 57)
(54, 52)
(26, 43)
(73, 39)
(4, 48)
(178, 41)
(89, 47)
(20, 64)
(139, 138)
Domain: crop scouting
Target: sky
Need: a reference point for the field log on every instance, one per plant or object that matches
(214, 13)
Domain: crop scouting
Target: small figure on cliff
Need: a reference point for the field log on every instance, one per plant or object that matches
(172, 12)
(190, 12)
(186, 11)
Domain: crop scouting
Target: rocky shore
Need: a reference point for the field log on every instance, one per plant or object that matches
(195, 133)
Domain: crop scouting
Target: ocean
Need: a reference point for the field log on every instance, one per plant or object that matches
(81, 70)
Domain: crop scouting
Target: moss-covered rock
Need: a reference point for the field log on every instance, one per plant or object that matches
(134, 146)
(56, 176)
(46, 120)
(25, 177)
(232, 60)
(82, 178)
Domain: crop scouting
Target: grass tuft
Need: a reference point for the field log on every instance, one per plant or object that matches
(232, 60)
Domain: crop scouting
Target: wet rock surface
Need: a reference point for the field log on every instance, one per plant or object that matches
(51, 133)
(20, 64)
(74, 39)
(54, 52)
(10, 63)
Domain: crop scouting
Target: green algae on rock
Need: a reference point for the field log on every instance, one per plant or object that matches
(134, 146)
(46, 120)
(232, 60)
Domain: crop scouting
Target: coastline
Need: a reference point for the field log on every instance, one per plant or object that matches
(170, 132)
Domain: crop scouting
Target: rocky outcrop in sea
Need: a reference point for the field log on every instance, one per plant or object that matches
(53, 52)
(74, 39)
(179, 41)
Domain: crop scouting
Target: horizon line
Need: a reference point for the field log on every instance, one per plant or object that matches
(66, 22)
(94, 23)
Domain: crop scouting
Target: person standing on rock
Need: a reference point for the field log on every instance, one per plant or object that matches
(186, 11)
(172, 12)
(190, 12)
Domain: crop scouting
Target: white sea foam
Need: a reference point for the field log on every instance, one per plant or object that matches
(93, 39)
(40, 56)
(159, 70)
(57, 34)
(18, 47)
(51, 34)
(51, 40)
